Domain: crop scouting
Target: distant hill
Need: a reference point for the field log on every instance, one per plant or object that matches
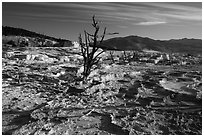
(11, 31)
(191, 46)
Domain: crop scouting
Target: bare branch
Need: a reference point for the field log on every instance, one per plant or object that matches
(89, 39)
(104, 33)
(85, 38)
(81, 43)
(95, 23)
(91, 56)
(98, 54)
(96, 61)
(87, 46)
(90, 34)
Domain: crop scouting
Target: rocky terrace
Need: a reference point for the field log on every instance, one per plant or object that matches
(43, 94)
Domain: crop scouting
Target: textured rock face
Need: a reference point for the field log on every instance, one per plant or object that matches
(39, 58)
(42, 94)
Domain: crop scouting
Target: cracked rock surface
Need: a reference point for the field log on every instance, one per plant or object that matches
(42, 94)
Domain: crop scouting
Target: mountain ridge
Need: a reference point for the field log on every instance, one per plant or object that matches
(133, 42)
(12, 31)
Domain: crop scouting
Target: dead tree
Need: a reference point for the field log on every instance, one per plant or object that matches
(112, 56)
(135, 56)
(90, 48)
(124, 56)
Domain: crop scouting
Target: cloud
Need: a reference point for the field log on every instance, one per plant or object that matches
(78, 5)
(128, 13)
(172, 6)
(151, 23)
(181, 11)
(183, 16)
(51, 17)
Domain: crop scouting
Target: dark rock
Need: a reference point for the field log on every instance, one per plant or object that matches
(14, 99)
(148, 84)
(109, 127)
(5, 76)
(132, 91)
(123, 81)
(184, 79)
(122, 90)
(129, 92)
(74, 91)
(144, 101)
(176, 74)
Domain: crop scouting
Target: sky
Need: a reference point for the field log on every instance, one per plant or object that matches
(156, 20)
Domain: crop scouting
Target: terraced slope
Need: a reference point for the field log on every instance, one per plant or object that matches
(42, 94)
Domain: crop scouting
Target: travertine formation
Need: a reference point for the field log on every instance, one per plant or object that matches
(153, 93)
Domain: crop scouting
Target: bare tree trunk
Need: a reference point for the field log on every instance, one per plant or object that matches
(124, 56)
(91, 56)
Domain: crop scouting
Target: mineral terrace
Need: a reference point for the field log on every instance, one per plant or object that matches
(148, 93)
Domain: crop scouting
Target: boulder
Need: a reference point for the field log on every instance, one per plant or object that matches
(128, 92)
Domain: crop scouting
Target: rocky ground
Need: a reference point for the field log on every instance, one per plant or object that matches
(42, 94)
